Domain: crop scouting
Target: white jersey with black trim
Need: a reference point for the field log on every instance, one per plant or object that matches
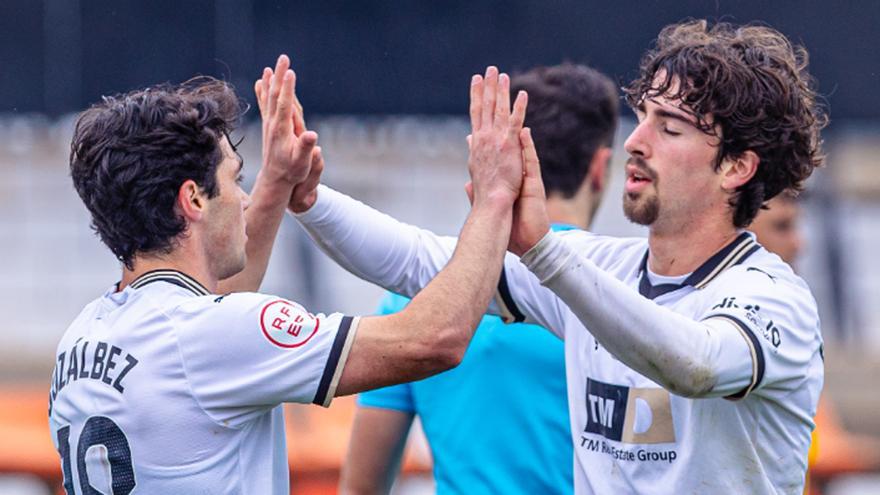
(165, 388)
(631, 435)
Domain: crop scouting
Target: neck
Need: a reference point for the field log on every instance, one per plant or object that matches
(680, 251)
(182, 259)
(576, 211)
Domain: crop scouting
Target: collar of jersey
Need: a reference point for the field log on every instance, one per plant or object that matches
(175, 277)
(730, 255)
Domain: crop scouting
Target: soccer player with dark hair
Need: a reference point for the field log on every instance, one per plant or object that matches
(477, 413)
(162, 385)
(693, 357)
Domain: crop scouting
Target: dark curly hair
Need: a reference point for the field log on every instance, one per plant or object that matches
(130, 154)
(750, 84)
(572, 111)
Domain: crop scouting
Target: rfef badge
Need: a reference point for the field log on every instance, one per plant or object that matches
(287, 325)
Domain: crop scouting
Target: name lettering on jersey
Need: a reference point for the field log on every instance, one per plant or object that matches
(287, 325)
(94, 361)
(629, 414)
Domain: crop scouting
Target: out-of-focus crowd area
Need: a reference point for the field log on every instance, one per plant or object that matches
(413, 168)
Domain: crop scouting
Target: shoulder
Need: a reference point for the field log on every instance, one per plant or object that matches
(764, 293)
(763, 275)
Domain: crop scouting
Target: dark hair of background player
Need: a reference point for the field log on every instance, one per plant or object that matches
(572, 111)
(754, 86)
(130, 154)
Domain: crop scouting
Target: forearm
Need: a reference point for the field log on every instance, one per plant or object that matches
(374, 246)
(432, 333)
(268, 202)
(378, 437)
(458, 296)
(681, 354)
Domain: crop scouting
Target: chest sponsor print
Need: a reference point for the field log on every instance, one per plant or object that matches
(629, 414)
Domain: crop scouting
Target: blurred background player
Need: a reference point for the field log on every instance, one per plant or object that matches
(834, 450)
(498, 423)
(778, 228)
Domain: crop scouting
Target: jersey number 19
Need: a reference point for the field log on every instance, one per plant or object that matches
(98, 430)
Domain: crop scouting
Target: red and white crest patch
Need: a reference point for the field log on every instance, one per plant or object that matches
(287, 325)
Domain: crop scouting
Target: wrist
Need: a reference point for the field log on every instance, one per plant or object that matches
(303, 204)
(546, 257)
(496, 200)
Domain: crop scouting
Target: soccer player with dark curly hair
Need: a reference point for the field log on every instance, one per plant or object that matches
(162, 384)
(693, 357)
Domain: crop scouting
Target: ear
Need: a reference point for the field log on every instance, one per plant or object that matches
(736, 172)
(191, 201)
(598, 172)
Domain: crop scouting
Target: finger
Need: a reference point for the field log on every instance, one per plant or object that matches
(258, 91)
(284, 112)
(476, 102)
(267, 83)
(299, 121)
(502, 101)
(307, 186)
(305, 146)
(469, 190)
(469, 139)
(519, 114)
(314, 177)
(281, 67)
(489, 94)
(531, 165)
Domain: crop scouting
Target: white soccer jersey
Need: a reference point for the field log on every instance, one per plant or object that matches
(165, 388)
(631, 435)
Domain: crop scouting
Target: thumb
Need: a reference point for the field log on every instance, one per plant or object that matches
(469, 189)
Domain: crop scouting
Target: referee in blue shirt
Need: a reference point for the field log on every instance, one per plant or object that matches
(499, 423)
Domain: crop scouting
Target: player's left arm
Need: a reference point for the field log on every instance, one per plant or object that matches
(290, 157)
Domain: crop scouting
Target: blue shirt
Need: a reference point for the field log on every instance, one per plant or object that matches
(497, 423)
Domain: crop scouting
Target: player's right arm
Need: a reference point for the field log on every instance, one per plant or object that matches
(431, 334)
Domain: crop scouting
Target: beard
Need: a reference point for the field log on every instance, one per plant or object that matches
(644, 212)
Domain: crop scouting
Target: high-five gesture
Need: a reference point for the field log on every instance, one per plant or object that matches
(291, 163)
(496, 161)
(530, 219)
(287, 146)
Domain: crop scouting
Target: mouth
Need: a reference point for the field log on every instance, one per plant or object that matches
(638, 176)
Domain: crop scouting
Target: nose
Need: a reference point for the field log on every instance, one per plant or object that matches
(637, 142)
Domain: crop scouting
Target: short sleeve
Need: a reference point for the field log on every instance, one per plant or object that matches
(245, 353)
(397, 397)
(776, 315)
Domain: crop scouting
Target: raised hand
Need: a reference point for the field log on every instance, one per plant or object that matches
(287, 145)
(530, 219)
(495, 160)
